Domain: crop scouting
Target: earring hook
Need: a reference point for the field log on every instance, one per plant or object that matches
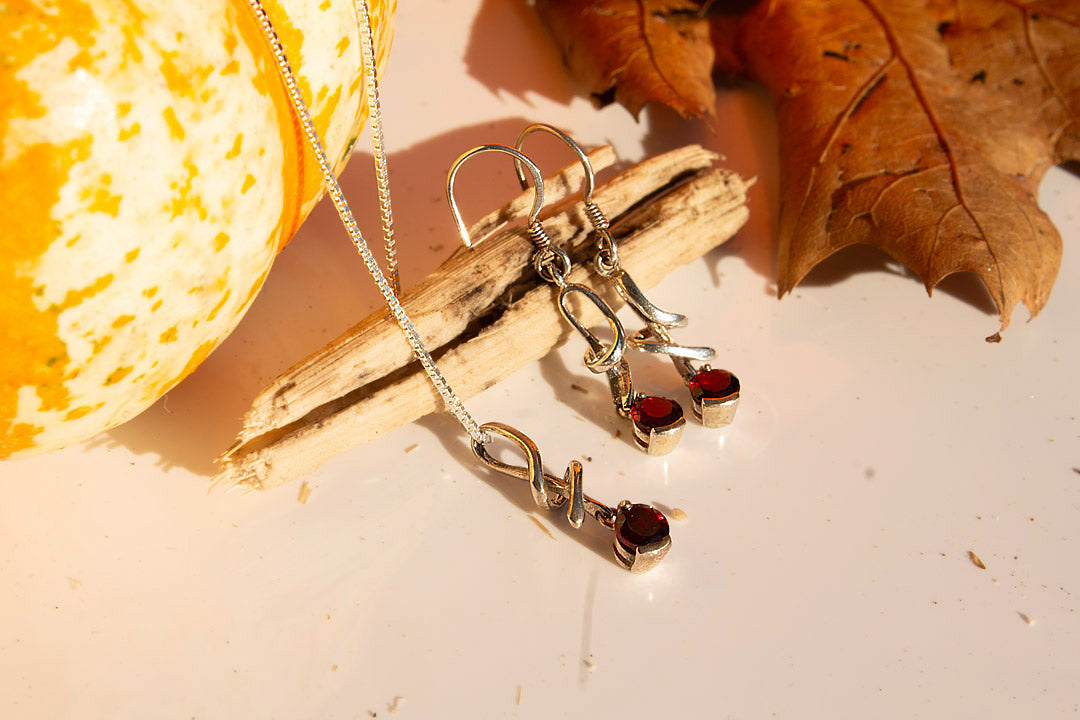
(519, 159)
(590, 176)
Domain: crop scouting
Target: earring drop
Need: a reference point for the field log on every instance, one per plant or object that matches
(713, 392)
(657, 421)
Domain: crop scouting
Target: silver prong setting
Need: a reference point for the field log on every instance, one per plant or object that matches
(642, 537)
(715, 396)
(716, 412)
(659, 441)
(658, 423)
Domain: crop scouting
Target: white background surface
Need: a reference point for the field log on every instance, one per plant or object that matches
(823, 568)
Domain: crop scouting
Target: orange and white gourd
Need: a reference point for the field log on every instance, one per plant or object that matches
(150, 170)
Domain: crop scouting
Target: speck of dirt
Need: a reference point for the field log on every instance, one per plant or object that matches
(541, 526)
(304, 494)
(678, 515)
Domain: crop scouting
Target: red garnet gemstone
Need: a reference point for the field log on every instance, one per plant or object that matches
(713, 384)
(640, 525)
(655, 413)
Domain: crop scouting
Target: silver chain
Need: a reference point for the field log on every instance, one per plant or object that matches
(338, 197)
(378, 145)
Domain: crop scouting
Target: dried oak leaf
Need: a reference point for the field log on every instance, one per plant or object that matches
(637, 51)
(922, 128)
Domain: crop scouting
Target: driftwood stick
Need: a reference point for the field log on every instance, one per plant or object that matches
(440, 307)
(519, 322)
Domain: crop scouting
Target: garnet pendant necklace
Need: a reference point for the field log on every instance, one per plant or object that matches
(640, 533)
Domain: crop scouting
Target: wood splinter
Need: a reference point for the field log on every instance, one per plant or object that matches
(483, 313)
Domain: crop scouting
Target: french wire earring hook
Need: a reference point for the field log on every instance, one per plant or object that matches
(520, 159)
(550, 261)
(607, 256)
(590, 176)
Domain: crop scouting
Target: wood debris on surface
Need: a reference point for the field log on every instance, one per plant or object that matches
(678, 515)
(305, 493)
(542, 526)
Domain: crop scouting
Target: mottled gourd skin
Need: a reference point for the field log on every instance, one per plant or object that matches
(150, 170)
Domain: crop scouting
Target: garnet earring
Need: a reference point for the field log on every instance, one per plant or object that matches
(714, 392)
(657, 421)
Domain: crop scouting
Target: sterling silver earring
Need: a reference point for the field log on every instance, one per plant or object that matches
(657, 422)
(714, 392)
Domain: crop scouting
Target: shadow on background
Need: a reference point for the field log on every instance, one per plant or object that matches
(745, 135)
(861, 259)
(318, 288)
(507, 45)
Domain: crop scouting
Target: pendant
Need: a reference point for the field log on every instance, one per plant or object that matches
(642, 536)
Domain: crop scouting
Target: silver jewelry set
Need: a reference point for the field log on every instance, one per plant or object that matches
(641, 533)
